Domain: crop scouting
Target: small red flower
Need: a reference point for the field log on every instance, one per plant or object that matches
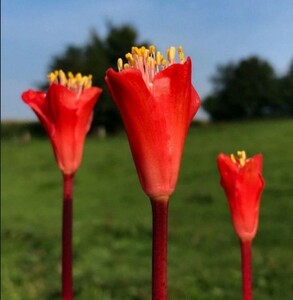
(65, 111)
(157, 103)
(243, 183)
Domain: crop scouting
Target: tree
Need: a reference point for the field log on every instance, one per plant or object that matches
(246, 90)
(286, 91)
(95, 57)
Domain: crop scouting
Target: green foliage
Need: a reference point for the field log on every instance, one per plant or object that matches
(112, 220)
(286, 87)
(249, 89)
(95, 57)
(21, 130)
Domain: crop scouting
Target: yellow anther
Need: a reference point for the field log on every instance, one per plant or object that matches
(51, 77)
(120, 64)
(61, 73)
(88, 81)
(241, 158)
(142, 50)
(129, 58)
(152, 49)
(83, 80)
(241, 154)
(171, 54)
(181, 54)
(146, 53)
(79, 80)
(135, 50)
(151, 62)
(233, 158)
(75, 83)
(159, 58)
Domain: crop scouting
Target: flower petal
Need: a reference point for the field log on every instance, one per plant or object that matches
(37, 101)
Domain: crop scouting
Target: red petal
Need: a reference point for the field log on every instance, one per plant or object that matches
(37, 101)
(86, 104)
(62, 103)
(145, 125)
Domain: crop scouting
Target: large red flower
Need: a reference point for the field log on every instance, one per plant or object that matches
(65, 111)
(243, 183)
(157, 103)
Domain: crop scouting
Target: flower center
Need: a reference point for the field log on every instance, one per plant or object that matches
(240, 160)
(149, 61)
(76, 83)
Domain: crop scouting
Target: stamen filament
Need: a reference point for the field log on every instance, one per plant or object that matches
(240, 160)
(76, 83)
(149, 61)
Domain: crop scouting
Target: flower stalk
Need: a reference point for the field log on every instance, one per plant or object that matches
(157, 102)
(243, 183)
(66, 111)
(246, 267)
(159, 252)
(67, 216)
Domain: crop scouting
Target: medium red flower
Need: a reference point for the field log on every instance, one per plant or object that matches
(65, 111)
(157, 103)
(243, 183)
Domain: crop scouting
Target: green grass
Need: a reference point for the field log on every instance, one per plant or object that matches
(112, 220)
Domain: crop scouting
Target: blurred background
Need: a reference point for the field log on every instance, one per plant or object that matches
(242, 56)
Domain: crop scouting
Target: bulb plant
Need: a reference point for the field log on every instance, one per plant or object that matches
(65, 111)
(242, 181)
(157, 102)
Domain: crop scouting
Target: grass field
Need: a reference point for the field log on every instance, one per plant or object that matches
(112, 220)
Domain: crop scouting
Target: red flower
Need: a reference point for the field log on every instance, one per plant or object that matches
(157, 103)
(243, 183)
(66, 113)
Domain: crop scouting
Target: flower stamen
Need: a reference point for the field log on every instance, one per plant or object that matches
(240, 160)
(149, 61)
(76, 83)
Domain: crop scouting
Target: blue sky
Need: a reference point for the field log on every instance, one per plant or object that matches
(211, 32)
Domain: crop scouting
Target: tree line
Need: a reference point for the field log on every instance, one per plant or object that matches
(250, 89)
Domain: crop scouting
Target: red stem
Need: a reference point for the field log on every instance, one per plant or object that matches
(67, 237)
(246, 269)
(159, 259)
